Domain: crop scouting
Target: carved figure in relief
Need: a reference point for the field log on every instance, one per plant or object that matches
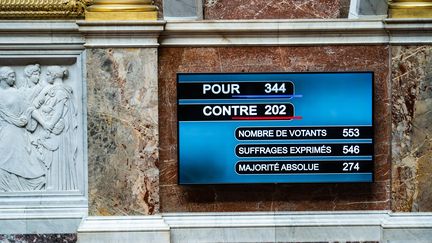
(18, 170)
(38, 126)
(32, 75)
(32, 89)
(56, 113)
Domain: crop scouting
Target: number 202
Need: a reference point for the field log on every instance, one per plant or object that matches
(272, 110)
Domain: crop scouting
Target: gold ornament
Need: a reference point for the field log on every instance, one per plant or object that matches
(42, 9)
(106, 10)
(410, 9)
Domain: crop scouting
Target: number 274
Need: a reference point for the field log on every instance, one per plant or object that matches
(350, 166)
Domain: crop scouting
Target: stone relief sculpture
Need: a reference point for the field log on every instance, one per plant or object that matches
(38, 129)
(18, 170)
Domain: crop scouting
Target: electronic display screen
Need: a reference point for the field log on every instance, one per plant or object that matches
(240, 128)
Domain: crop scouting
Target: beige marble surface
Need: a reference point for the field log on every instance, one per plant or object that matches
(412, 130)
(123, 131)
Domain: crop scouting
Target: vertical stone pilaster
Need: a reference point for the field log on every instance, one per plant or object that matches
(122, 117)
(411, 134)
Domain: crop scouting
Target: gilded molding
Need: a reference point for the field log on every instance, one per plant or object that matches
(121, 10)
(42, 9)
(410, 9)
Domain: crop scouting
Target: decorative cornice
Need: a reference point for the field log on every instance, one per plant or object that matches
(42, 9)
(37, 35)
(123, 34)
(73, 35)
(297, 32)
(409, 31)
(273, 32)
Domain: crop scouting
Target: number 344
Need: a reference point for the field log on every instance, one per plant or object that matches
(275, 88)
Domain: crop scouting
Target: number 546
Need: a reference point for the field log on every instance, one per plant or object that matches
(353, 149)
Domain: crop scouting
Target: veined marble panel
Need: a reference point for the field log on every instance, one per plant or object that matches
(123, 131)
(275, 9)
(412, 130)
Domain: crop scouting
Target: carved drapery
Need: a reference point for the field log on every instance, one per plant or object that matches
(42, 121)
(410, 9)
(42, 9)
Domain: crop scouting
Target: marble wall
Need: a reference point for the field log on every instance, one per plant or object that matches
(275, 9)
(123, 131)
(174, 198)
(412, 128)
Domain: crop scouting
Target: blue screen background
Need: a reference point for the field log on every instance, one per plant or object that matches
(207, 149)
